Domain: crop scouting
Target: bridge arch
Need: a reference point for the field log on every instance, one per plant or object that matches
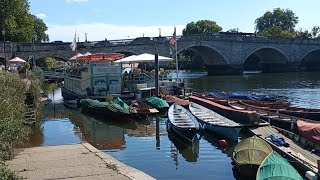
(210, 54)
(311, 60)
(266, 59)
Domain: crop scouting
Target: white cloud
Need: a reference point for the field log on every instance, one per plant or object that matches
(76, 1)
(100, 31)
(41, 16)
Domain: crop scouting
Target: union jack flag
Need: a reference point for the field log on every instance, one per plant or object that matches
(173, 41)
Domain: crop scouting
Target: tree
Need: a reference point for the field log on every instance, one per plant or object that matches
(314, 33)
(233, 30)
(40, 30)
(19, 24)
(284, 19)
(201, 27)
(277, 32)
(16, 20)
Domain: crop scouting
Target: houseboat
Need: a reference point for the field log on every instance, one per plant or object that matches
(93, 76)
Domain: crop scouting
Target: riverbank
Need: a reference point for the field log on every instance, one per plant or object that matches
(77, 161)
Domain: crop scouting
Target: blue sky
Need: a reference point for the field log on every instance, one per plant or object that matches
(119, 19)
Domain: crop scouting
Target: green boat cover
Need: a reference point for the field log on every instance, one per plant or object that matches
(117, 105)
(275, 167)
(157, 102)
(251, 151)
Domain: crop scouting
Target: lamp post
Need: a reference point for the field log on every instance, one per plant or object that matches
(4, 48)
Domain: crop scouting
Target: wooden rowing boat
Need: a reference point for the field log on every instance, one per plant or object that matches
(182, 121)
(244, 117)
(274, 118)
(215, 123)
(249, 154)
(276, 167)
(313, 114)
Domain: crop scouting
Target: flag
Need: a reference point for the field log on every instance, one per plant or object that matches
(73, 45)
(172, 41)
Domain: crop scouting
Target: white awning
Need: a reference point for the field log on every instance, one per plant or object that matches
(143, 58)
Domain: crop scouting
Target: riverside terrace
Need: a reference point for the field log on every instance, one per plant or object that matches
(223, 53)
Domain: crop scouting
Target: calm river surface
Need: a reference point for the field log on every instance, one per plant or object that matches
(146, 144)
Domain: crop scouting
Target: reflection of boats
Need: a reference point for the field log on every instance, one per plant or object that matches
(116, 108)
(249, 154)
(188, 149)
(216, 123)
(182, 121)
(313, 114)
(275, 167)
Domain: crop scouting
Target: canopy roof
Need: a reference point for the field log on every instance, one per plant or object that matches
(17, 60)
(143, 58)
(101, 57)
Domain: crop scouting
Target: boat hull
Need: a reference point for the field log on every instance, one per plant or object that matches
(187, 134)
(231, 133)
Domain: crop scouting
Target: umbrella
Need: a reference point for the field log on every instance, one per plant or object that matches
(126, 59)
(145, 58)
(76, 56)
(17, 60)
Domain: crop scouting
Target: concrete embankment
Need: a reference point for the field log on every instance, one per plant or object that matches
(77, 161)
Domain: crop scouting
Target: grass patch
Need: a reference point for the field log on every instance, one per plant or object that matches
(112, 166)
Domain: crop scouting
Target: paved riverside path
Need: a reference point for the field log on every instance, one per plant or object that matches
(77, 162)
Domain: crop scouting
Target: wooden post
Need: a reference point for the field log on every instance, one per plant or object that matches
(156, 66)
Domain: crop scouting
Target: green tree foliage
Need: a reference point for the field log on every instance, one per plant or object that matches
(40, 30)
(314, 33)
(277, 32)
(233, 30)
(201, 27)
(285, 19)
(19, 24)
(47, 63)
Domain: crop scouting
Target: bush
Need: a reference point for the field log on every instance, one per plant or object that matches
(12, 110)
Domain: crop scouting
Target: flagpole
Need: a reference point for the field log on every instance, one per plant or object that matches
(176, 49)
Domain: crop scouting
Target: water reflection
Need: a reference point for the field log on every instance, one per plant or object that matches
(188, 149)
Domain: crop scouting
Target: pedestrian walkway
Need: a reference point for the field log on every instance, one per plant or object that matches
(76, 162)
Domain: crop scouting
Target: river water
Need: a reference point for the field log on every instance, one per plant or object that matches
(146, 144)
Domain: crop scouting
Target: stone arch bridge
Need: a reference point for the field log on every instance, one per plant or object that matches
(223, 54)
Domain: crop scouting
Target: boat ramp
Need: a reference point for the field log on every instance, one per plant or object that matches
(77, 161)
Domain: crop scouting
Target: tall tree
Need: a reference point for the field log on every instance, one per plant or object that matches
(16, 20)
(40, 30)
(201, 27)
(285, 19)
(19, 24)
